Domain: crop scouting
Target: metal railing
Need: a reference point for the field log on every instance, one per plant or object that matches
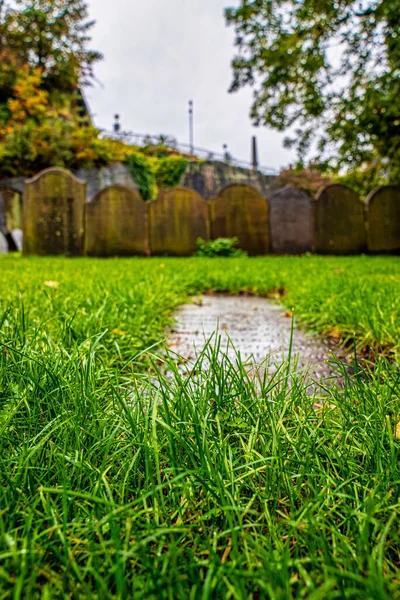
(141, 140)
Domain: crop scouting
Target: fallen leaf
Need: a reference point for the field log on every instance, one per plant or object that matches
(334, 332)
(226, 553)
(118, 332)
(52, 284)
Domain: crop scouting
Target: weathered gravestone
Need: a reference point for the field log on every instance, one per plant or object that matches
(3, 217)
(116, 223)
(240, 211)
(3, 244)
(292, 221)
(10, 217)
(178, 217)
(383, 219)
(339, 221)
(12, 201)
(53, 208)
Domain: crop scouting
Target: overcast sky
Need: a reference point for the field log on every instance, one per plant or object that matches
(161, 53)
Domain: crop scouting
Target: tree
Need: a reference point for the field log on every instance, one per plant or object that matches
(44, 61)
(40, 132)
(51, 35)
(329, 68)
(310, 179)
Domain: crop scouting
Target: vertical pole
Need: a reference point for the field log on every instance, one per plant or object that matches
(117, 124)
(254, 153)
(191, 132)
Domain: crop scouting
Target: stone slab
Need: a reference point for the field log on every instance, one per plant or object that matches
(116, 224)
(240, 211)
(292, 221)
(383, 220)
(339, 221)
(178, 217)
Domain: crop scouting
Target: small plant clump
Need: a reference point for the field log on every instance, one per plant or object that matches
(221, 247)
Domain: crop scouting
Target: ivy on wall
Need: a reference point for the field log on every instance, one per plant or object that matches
(169, 170)
(152, 173)
(141, 170)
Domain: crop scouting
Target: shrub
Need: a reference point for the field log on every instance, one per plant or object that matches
(220, 247)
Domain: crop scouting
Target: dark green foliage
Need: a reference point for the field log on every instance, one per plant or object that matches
(52, 35)
(141, 170)
(365, 180)
(226, 247)
(329, 69)
(169, 170)
(152, 173)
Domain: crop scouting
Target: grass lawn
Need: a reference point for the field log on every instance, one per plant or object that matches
(115, 483)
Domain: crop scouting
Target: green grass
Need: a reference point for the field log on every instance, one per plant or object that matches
(116, 482)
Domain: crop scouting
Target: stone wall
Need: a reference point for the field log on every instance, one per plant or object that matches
(99, 179)
(209, 178)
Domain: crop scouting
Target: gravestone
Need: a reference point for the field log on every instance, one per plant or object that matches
(339, 221)
(3, 244)
(240, 211)
(12, 201)
(10, 217)
(383, 219)
(178, 217)
(17, 236)
(53, 208)
(3, 216)
(116, 223)
(292, 221)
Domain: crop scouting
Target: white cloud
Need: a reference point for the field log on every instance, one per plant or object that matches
(161, 53)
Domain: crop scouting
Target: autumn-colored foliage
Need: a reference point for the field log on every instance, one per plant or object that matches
(43, 120)
(44, 60)
(39, 129)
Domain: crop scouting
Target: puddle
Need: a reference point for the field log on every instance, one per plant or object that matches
(256, 328)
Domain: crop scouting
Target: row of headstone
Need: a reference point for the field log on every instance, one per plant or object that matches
(117, 222)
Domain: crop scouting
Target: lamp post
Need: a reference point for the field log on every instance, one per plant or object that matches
(117, 124)
(191, 132)
(254, 153)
